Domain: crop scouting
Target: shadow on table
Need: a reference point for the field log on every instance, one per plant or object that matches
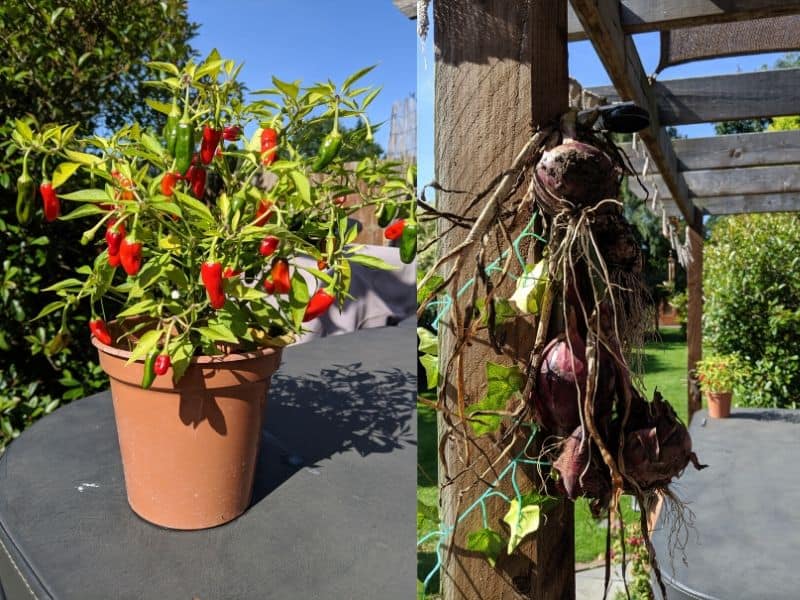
(315, 416)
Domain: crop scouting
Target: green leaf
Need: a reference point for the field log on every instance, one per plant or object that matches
(522, 519)
(63, 172)
(487, 542)
(83, 157)
(289, 89)
(373, 262)
(146, 343)
(431, 365)
(195, 208)
(165, 67)
(64, 284)
(152, 144)
(181, 351)
(218, 333)
(84, 210)
(162, 107)
(426, 290)
(427, 516)
(50, 308)
(302, 185)
(89, 195)
(24, 130)
(140, 308)
(355, 77)
(298, 300)
(428, 342)
(501, 383)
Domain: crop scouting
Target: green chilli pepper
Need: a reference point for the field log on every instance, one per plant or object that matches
(149, 369)
(171, 128)
(26, 197)
(236, 205)
(408, 243)
(386, 214)
(184, 145)
(328, 150)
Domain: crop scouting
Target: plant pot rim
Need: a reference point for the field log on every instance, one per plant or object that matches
(200, 360)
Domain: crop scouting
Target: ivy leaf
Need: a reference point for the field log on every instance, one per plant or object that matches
(431, 366)
(427, 516)
(501, 383)
(426, 290)
(522, 518)
(428, 342)
(487, 542)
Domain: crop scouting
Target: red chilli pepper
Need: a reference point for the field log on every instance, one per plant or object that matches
(263, 212)
(269, 286)
(211, 274)
(168, 183)
(269, 145)
(395, 230)
(197, 179)
(340, 200)
(51, 203)
(319, 304)
(230, 273)
(208, 146)
(280, 276)
(114, 237)
(322, 264)
(100, 331)
(114, 260)
(231, 133)
(126, 185)
(162, 364)
(268, 245)
(130, 255)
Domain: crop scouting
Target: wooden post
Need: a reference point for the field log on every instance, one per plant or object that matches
(501, 67)
(694, 314)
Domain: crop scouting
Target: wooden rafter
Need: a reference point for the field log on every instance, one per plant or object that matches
(727, 182)
(722, 97)
(639, 16)
(727, 151)
(741, 204)
(407, 7)
(601, 20)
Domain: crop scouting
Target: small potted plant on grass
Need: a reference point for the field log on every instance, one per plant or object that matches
(718, 375)
(195, 284)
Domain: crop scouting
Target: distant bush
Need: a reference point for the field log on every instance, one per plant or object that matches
(752, 307)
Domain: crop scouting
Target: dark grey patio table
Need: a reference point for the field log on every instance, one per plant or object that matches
(333, 514)
(746, 537)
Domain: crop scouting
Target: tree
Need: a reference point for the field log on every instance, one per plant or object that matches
(75, 62)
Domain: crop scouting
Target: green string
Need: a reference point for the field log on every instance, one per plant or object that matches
(443, 305)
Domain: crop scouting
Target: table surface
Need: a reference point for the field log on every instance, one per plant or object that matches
(746, 537)
(333, 514)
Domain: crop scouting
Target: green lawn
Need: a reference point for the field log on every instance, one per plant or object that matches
(665, 369)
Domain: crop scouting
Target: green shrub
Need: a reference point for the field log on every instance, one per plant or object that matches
(752, 292)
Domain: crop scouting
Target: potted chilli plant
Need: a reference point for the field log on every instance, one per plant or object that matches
(196, 285)
(718, 375)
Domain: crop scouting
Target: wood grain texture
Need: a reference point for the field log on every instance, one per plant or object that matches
(730, 151)
(729, 182)
(741, 204)
(639, 16)
(772, 93)
(601, 20)
(694, 313)
(488, 93)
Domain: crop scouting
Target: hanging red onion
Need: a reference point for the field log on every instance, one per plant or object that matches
(574, 478)
(578, 173)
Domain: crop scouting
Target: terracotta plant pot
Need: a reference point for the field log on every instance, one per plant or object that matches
(189, 450)
(719, 404)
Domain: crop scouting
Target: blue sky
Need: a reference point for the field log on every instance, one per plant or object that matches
(314, 40)
(585, 66)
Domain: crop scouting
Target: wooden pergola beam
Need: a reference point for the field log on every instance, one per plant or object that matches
(639, 16)
(730, 151)
(601, 20)
(728, 182)
(407, 7)
(754, 95)
(742, 204)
